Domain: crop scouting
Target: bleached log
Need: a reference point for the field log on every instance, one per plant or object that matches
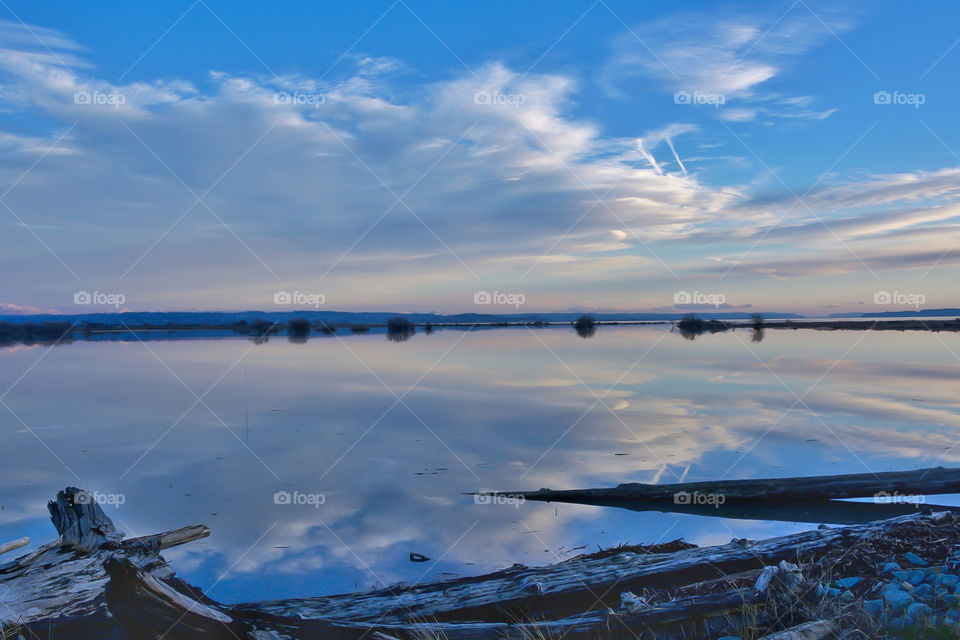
(64, 581)
(155, 609)
(553, 591)
(14, 544)
(169, 539)
(815, 630)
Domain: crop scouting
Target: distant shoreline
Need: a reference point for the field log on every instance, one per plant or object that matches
(48, 333)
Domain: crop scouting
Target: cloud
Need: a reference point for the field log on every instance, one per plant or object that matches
(730, 60)
(488, 167)
(369, 186)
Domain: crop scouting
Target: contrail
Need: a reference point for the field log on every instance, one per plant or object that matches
(649, 157)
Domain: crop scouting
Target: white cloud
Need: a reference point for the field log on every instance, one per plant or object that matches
(733, 59)
(489, 177)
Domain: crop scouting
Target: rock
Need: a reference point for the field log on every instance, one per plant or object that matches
(951, 601)
(899, 624)
(924, 591)
(899, 574)
(833, 592)
(948, 581)
(890, 567)
(897, 600)
(918, 611)
(847, 583)
(915, 576)
(765, 577)
(914, 559)
(847, 596)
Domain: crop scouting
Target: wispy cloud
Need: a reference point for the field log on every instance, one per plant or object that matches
(730, 59)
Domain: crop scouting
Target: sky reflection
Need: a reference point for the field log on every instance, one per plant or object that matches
(508, 409)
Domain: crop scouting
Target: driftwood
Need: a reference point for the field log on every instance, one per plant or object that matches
(888, 487)
(65, 579)
(574, 585)
(816, 511)
(14, 544)
(814, 630)
(140, 601)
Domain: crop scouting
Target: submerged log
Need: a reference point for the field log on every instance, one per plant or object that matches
(886, 486)
(815, 512)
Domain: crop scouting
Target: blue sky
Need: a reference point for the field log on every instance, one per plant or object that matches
(587, 155)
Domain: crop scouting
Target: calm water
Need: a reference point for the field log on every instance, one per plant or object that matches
(504, 409)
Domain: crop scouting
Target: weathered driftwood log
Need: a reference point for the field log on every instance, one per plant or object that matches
(61, 584)
(168, 539)
(147, 606)
(578, 584)
(81, 523)
(887, 486)
(14, 544)
(143, 603)
(817, 512)
(807, 631)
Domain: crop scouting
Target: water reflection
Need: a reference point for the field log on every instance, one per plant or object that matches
(585, 326)
(478, 410)
(298, 330)
(399, 329)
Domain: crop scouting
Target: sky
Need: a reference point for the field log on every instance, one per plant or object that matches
(416, 156)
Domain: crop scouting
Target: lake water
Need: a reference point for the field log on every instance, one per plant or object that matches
(504, 409)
